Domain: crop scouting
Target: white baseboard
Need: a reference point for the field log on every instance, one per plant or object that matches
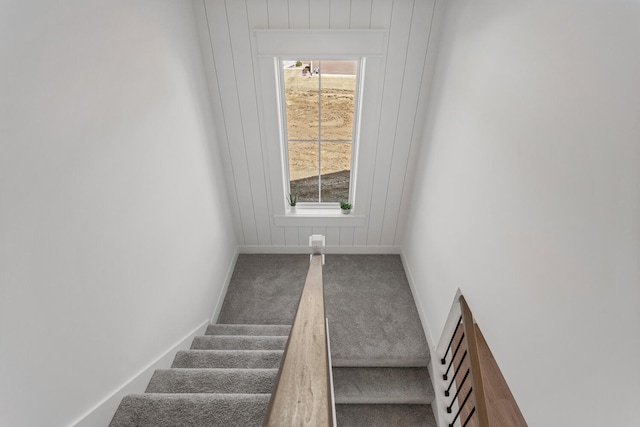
(350, 250)
(102, 413)
(438, 404)
(225, 287)
(423, 317)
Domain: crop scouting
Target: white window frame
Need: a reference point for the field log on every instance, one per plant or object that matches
(355, 133)
(269, 46)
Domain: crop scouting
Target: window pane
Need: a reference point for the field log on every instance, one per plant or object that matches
(335, 165)
(319, 107)
(338, 87)
(301, 100)
(304, 173)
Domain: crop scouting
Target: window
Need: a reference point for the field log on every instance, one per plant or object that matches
(319, 102)
(367, 49)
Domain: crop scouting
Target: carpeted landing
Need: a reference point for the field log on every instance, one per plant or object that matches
(378, 348)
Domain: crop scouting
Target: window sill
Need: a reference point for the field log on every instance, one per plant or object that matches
(319, 217)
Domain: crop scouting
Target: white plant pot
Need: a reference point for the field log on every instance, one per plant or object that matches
(346, 211)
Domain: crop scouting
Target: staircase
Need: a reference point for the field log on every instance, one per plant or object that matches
(225, 379)
(383, 396)
(379, 351)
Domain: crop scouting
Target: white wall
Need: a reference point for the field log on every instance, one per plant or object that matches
(528, 199)
(114, 233)
(237, 96)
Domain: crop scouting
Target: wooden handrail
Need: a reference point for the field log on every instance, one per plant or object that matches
(474, 361)
(302, 393)
(482, 396)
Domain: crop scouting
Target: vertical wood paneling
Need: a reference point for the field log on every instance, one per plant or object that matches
(394, 78)
(320, 14)
(412, 165)
(241, 80)
(414, 67)
(360, 17)
(381, 14)
(278, 14)
(257, 16)
(303, 235)
(207, 52)
(333, 236)
(299, 14)
(367, 149)
(340, 14)
(320, 230)
(380, 18)
(243, 66)
(346, 236)
(291, 236)
(226, 81)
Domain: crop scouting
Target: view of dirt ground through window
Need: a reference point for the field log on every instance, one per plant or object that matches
(320, 105)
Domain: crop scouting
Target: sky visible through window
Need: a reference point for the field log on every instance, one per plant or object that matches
(320, 104)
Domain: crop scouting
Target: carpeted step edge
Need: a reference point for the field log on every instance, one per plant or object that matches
(241, 329)
(382, 386)
(173, 410)
(194, 380)
(241, 359)
(385, 415)
(239, 342)
(381, 362)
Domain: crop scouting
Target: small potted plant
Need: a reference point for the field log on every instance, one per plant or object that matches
(345, 207)
(292, 200)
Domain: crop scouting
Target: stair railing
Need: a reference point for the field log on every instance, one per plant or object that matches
(302, 395)
(463, 374)
(464, 378)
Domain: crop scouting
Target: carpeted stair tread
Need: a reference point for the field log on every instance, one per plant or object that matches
(385, 416)
(382, 386)
(181, 410)
(241, 359)
(240, 329)
(180, 380)
(380, 361)
(239, 342)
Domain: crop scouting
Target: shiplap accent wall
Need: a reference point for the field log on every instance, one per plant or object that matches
(228, 44)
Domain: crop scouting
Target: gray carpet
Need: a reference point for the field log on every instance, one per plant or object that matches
(378, 347)
(265, 289)
(182, 410)
(383, 386)
(212, 381)
(385, 416)
(225, 379)
(373, 319)
(377, 343)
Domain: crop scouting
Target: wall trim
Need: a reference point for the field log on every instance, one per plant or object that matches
(423, 317)
(103, 412)
(349, 250)
(438, 404)
(225, 287)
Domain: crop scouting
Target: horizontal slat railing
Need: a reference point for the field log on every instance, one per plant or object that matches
(302, 395)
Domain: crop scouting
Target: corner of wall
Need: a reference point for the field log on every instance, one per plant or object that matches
(225, 287)
(423, 317)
